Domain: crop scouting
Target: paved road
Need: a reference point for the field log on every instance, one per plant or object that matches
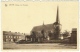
(38, 46)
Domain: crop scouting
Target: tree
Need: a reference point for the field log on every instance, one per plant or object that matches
(66, 33)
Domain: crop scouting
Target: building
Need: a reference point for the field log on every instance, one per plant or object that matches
(28, 38)
(48, 31)
(9, 36)
(74, 35)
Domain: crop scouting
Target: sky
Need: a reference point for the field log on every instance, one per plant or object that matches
(23, 16)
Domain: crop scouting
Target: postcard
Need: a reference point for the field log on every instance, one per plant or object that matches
(40, 24)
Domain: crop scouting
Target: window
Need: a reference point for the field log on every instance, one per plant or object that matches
(14, 36)
(9, 36)
(11, 40)
(6, 36)
(6, 40)
(17, 36)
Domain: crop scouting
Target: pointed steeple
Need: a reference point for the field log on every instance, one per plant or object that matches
(43, 23)
(57, 16)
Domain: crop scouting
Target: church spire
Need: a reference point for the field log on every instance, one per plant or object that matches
(57, 16)
(43, 23)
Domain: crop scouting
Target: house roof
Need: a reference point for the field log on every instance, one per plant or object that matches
(74, 29)
(12, 33)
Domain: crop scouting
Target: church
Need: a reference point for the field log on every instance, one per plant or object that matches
(47, 31)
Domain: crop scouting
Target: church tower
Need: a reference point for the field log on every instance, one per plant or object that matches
(43, 31)
(57, 26)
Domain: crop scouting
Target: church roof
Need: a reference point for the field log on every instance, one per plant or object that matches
(41, 27)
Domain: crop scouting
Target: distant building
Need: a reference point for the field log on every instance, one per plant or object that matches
(9, 36)
(49, 31)
(28, 38)
(74, 35)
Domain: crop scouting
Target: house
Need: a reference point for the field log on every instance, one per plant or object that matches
(9, 36)
(74, 35)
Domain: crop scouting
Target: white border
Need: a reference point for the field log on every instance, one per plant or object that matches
(37, 50)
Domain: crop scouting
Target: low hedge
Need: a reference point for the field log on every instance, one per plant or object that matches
(53, 41)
